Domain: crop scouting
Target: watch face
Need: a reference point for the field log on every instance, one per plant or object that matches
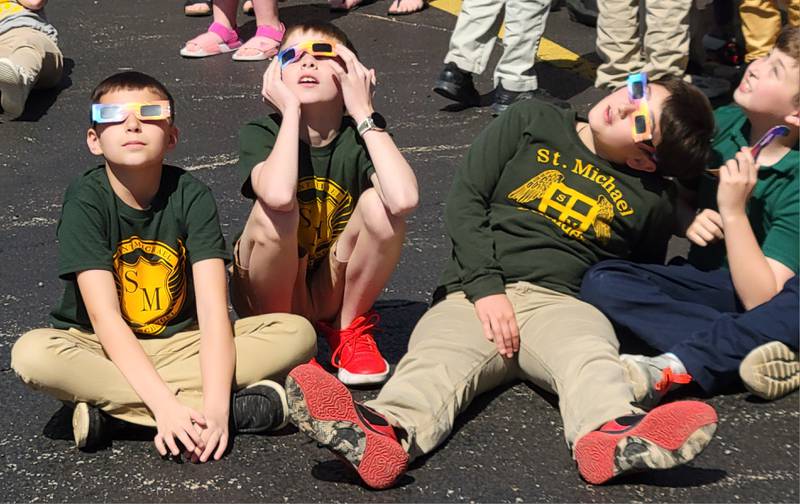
(379, 120)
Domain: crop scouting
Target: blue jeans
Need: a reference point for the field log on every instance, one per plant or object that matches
(692, 313)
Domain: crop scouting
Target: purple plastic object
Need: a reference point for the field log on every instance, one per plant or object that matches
(769, 136)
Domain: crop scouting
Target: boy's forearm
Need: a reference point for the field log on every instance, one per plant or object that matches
(752, 276)
(217, 363)
(274, 180)
(127, 354)
(400, 191)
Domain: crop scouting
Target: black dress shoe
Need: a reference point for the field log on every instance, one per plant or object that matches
(456, 84)
(503, 98)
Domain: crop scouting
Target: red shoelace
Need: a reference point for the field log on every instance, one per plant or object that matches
(357, 337)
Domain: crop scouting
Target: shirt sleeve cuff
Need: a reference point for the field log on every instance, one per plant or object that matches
(483, 286)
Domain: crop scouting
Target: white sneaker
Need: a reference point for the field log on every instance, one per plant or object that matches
(771, 370)
(652, 377)
(15, 85)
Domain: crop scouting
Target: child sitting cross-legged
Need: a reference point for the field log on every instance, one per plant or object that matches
(142, 333)
(330, 191)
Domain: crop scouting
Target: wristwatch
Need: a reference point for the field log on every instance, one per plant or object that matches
(374, 121)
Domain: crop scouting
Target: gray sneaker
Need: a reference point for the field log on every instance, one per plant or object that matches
(15, 85)
(771, 370)
(651, 378)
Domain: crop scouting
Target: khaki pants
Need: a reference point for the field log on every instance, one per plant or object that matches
(619, 40)
(476, 31)
(761, 24)
(71, 365)
(36, 53)
(566, 346)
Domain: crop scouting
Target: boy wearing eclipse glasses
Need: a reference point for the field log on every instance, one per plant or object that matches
(730, 312)
(331, 193)
(540, 198)
(142, 332)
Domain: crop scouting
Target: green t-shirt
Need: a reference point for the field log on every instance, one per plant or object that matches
(774, 206)
(330, 180)
(146, 250)
(532, 203)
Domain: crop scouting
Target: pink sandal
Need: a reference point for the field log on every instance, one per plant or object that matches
(217, 40)
(265, 42)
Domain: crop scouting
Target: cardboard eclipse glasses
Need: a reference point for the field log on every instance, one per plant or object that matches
(118, 112)
(642, 120)
(313, 47)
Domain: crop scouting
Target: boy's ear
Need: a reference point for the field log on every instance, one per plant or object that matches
(174, 133)
(93, 142)
(641, 163)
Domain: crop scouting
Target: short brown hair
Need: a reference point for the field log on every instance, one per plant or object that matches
(687, 128)
(131, 80)
(324, 28)
(789, 43)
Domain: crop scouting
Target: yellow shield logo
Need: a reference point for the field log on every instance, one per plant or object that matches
(151, 283)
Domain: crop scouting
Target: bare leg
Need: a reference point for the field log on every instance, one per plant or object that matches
(370, 244)
(266, 13)
(268, 252)
(225, 12)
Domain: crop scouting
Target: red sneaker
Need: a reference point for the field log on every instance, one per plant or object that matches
(670, 435)
(355, 352)
(324, 410)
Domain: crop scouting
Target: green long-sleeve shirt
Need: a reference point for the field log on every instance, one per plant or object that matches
(533, 203)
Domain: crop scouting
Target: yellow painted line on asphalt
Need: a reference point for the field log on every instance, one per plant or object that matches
(549, 51)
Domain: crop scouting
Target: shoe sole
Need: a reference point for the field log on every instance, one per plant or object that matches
(322, 408)
(349, 378)
(450, 91)
(670, 435)
(80, 424)
(11, 92)
(771, 371)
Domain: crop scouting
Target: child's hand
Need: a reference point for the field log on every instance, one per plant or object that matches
(793, 120)
(356, 83)
(499, 323)
(276, 92)
(706, 228)
(176, 421)
(214, 436)
(737, 177)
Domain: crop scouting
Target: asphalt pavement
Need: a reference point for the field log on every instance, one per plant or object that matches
(509, 445)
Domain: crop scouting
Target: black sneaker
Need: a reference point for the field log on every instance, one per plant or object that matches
(503, 98)
(260, 407)
(456, 84)
(89, 427)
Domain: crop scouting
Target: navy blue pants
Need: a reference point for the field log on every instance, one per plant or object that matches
(692, 313)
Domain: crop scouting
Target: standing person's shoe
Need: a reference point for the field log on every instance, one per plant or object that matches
(456, 84)
(771, 370)
(259, 407)
(15, 84)
(652, 378)
(504, 98)
(355, 353)
(323, 409)
(668, 436)
(89, 427)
